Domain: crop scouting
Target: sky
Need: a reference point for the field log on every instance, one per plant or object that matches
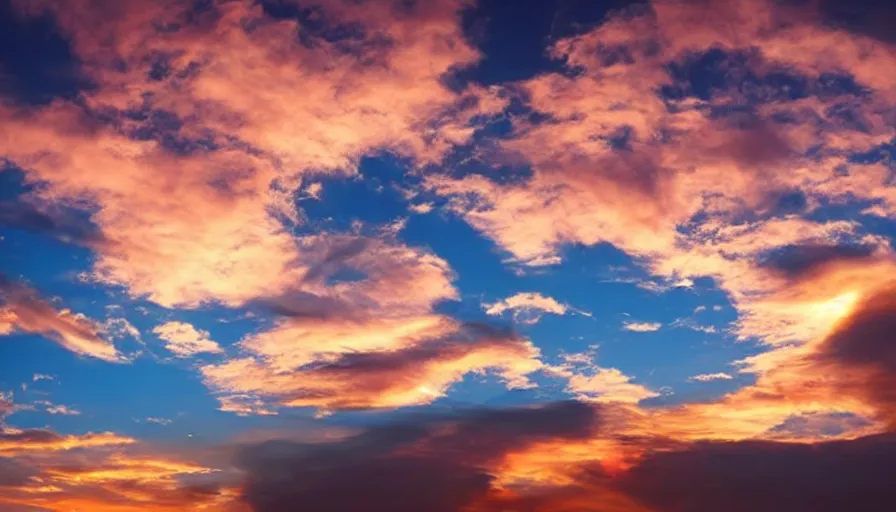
(447, 255)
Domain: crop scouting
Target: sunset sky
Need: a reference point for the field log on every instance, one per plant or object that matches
(447, 256)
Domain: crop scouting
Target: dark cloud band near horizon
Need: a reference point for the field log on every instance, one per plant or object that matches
(447, 255)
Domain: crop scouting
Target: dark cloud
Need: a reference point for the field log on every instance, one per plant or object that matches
(874, 18)
(65, 226)
(431, 464)
(29, 436)
(863, 350)
(798, 261)
(36, 62)
(769, 477)
(14, 473)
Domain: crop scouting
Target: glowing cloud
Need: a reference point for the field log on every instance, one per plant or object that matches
(23, 310)
(184, 340)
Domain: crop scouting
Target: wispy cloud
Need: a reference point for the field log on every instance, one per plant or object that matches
(707, 377)
(22, 309)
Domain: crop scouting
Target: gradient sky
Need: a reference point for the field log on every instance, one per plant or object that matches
(447, 255)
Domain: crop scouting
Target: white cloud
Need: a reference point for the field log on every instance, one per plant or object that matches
(42, 376)
(687, 323)
(62, 410)
(608, 385)
(707, 377)
(642, 326)
(184, 340)
(588, 381)
(527, 307)
(421, 208)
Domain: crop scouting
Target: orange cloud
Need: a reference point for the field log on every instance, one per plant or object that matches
(21, 309)
(379, 377)
(118, 482)
(13, 442)
(206, 162)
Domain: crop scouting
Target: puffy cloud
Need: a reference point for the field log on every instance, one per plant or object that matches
(528, 304)
(590, 382)
(608, 385)
(23, 310)
(642, 326)
(206, 162)
(184, 340)
(696, 183)
(750, 177)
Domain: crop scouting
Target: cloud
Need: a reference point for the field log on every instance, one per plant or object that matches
(415, 374)
(184, 340)
(58, 224)
(42, 376)
(63, 410)
(861, 350)
(529, 305)
(589, 382)
(435, 463)
(707, 377)
(628, 149)
(723, 476)
(158, 421)
(113, 478)
(13, 442)
(608, 385)
(642, 326)
(23, 310)
(200, 207)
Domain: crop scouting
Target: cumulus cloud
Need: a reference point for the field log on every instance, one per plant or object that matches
(22, 309)
(223, 156)
(528, 306)
(638, 156)
(184, 340)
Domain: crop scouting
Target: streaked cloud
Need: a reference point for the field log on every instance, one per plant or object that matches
(22, 309)
(14, 441)
(416, 374)
(707, 377)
